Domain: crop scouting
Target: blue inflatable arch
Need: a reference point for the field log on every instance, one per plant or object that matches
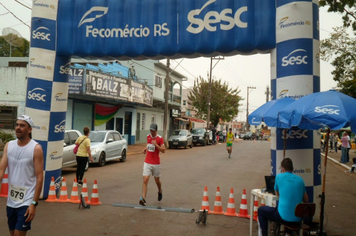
(156, 29)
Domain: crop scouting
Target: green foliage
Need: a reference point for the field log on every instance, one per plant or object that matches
(22, 51)
(224, 100)
(5, 137)
(345, 7)
(340, 48)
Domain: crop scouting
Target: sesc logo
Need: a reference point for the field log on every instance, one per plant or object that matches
(294, 59)
(41, 33)
(294, 134)
(59, 128)
(37, 94)
(328, 109)
(225, 19)
(253, 121)
(65, 69)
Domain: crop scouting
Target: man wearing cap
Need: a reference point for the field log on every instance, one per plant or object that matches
(24, 159)
(151, 166)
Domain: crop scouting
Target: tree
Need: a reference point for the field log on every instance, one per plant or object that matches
(22, 51)
(340, 48)
(347, 7)
(225, 101)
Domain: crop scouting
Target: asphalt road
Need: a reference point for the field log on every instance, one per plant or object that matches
(185, 173)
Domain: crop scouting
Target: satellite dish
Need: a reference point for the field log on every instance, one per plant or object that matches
(13, 37)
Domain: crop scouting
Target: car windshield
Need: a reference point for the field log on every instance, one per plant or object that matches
(180, 132)
(249, 133)
(198, 131)
(97, 137)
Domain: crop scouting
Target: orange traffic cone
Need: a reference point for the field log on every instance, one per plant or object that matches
(52, 192)
(243, 206)
(5, 185)
(263, 202)
(217, 205)
(230, 211)
(74, 194)
(85, 191)
(94, 200)
(255, 208)
(205, 202)
(63, 197)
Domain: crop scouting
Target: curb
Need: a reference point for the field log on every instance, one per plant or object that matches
(337, 162)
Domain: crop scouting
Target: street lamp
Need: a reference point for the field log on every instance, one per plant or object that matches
(248, 92)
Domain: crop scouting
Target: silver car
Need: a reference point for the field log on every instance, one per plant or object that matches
(69, 158)
(180, 138)
(107, 145)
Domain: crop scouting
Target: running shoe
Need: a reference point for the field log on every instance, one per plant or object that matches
(142, 201)
(229, 155)
(160, 196)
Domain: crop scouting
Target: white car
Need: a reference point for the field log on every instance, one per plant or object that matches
(69, 158)
(107, 145)
(180, 138)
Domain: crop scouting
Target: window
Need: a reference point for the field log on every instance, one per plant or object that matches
(184, 102)
(153, 119)
(8, 117)
(158, 81)
(143, 121)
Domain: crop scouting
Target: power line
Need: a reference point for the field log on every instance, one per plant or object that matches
(15, 15)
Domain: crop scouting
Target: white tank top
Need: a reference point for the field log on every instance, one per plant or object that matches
(22, 178)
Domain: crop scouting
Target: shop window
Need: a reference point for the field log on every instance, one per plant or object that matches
(8, 117)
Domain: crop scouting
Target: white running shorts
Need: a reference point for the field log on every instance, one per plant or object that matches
(149, 169)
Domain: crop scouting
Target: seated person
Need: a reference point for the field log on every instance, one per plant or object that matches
(290, 189)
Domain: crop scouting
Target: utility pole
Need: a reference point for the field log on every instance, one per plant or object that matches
(267, 93)
(247, 124)
(166, 97)
(209, 95)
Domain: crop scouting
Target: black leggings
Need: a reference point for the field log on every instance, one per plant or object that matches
(81, 164)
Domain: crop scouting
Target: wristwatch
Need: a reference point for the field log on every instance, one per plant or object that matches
(34, 203)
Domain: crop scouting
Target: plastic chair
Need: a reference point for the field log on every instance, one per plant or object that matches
(303, 210)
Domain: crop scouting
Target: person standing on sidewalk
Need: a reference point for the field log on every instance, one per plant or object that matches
(83, 154)
(344, 147)
(331, 141)
(151, 166)
(336, 141)
(229, 140)
(24, 159)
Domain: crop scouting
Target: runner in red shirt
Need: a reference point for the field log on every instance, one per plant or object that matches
(151, 166)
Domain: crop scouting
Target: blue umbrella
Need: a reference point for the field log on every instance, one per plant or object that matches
(330, 109)
(268, 113)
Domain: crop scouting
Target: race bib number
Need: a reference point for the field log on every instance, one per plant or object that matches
(17, 193)
(151, 147)
(229, 139)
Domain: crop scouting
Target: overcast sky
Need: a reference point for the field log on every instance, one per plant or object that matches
(239, 71)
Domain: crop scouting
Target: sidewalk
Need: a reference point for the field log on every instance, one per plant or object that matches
(336, 157)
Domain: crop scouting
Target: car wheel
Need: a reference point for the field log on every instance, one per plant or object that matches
(204, 143)
(102, 160)
(186, 144)
(170, 147)
(123, 156)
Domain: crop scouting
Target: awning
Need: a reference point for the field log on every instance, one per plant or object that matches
(194, 119)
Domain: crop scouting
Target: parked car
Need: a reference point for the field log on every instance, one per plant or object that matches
(180, 138)
(69, 158)
(220, 136)
(241, 135)
(107, 145)
(200, 136)
(250, 136)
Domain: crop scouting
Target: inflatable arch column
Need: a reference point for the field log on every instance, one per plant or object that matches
(47, 89)
(295, 72)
